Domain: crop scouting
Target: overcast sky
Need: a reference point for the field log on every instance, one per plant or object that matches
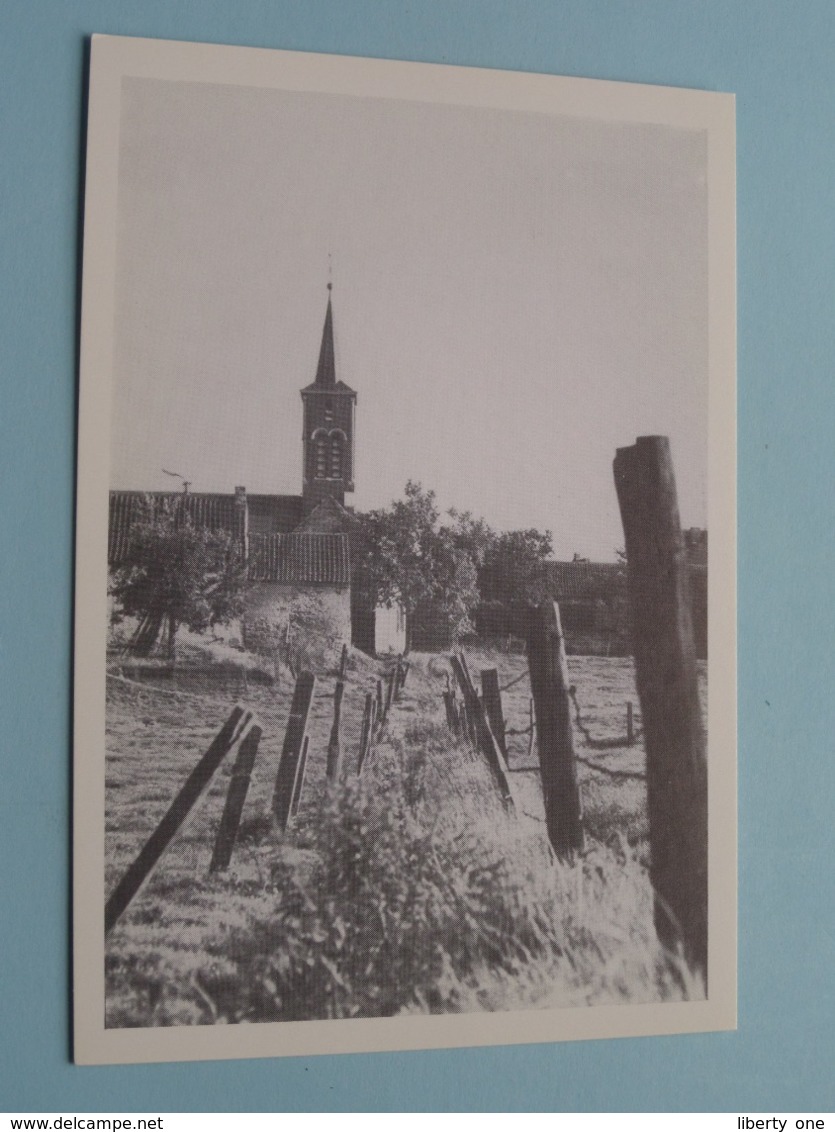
(515, 296)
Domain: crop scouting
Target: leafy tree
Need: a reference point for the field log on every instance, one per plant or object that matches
(177, 574)
(513, 570)
(405, 554)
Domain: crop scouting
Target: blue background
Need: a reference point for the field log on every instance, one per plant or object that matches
(779, 59)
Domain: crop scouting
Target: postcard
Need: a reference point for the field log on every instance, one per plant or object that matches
(405, 649)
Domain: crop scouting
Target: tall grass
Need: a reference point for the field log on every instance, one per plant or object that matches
(398, 913)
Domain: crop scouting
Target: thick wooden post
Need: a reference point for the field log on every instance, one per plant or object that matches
(335, 740)
(175, 817)
(235, 798)
(288, 766)
(665, 670)
(343, 663)
(492, 697)
(549, 684)
(299, 786)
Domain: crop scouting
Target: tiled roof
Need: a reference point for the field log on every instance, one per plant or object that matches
(211, 512)
(578, 580)
(300, 559)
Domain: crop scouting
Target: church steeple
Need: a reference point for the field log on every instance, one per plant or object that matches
(326, 370)
(328, 434)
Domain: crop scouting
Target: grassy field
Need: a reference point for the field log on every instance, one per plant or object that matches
(411, 889)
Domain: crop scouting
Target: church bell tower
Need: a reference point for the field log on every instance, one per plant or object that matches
(328, 430)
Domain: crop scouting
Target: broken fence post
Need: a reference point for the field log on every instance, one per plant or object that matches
(492, 697)
(175, 816)
(288, 766)
(335, 740)
(235, 798)
(299, 786)
(367, 732)
(484, 740)
(549, 684)
(390, 688)
(666, 675)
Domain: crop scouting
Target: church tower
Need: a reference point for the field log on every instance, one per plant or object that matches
(328, 430)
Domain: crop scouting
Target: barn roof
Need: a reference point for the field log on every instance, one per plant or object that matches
(214, 512)
(300, 559)
(578, 580)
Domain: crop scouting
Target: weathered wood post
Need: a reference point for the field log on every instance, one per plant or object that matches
(666, 676)
(483, 738)
(175, 816)
(379, 701)
(367, 732)
(549, 684)
(451, 713)
(335, 740)
(288, 766)
(235, 797)
(299, 786)
(390, 690)
(343, 663)
(492, 697)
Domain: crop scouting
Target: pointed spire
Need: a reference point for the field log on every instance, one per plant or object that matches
(326, 370)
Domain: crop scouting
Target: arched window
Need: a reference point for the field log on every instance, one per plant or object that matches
(320, 454)
(336, 455)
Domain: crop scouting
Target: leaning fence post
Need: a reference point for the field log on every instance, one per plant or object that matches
(299, 786)
(235, 798)
(367, 732)
(484, 740)
(288, 766)
(335, 740)
(549, 684)
(175, 816)
(492, 697)
(665, 672)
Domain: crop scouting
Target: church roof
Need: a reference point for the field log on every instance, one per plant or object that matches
(300, 559)
(326, 369)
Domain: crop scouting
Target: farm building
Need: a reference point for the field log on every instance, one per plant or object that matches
(297, 547)
(592, 597)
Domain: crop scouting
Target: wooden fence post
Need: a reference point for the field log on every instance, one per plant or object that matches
(549, 684)
(379, 701)
(235, 798)
(492, 697)
(390, 687)
(175, 817)
(335, 740)
(299, 786)
(343, 663)
(288, 766)
(367, 732)
(451, 714)
(484, 740)
(666, 676)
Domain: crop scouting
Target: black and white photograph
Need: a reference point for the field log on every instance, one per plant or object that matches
(405, 660)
